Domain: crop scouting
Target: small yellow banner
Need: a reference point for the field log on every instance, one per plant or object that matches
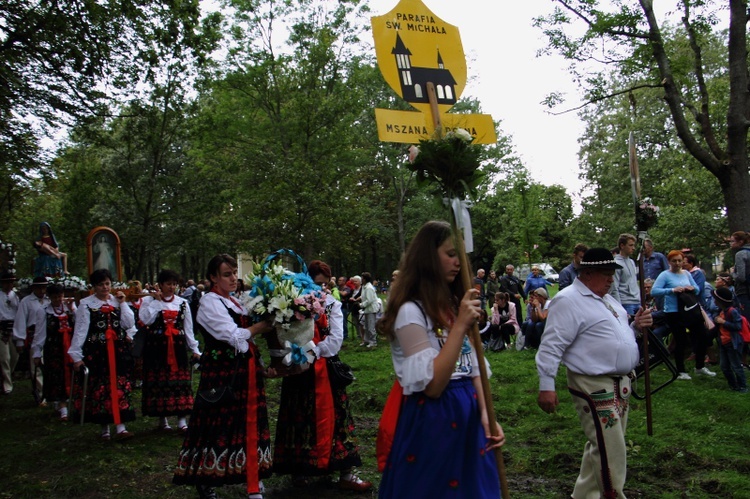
(409, 127)
(414, 46)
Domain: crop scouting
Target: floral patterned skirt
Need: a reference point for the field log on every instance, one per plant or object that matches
(214, 451)
(439, 448)
(98, 400)
(294, 448)
(166, 392)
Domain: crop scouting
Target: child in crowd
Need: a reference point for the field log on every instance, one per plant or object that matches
(731, 343)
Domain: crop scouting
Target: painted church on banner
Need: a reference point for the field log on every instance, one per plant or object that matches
(414, 79)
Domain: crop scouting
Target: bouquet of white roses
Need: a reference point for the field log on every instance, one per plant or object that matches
(71, 282)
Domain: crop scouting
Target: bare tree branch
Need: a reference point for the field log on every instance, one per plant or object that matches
(608, 96)
(703, 117)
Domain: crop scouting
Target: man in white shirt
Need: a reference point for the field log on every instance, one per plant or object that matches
(23, 328)
(8, 310)
(588, 331)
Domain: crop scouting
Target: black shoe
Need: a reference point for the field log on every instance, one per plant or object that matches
(206, 492)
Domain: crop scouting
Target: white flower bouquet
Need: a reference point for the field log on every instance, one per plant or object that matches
(71, 282)
(292, 301)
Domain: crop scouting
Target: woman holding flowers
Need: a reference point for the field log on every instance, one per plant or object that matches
(315, 431)
(167, 378)
(228, 441)
(442, 442)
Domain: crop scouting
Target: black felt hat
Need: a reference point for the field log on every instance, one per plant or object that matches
(599, 258)
(723, 295)
(7, 276)
(40, 281)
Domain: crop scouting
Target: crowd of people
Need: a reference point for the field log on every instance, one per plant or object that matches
(669, 280)
(592, 324)
(149, 339)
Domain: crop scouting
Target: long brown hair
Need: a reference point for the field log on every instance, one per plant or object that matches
(421, 277)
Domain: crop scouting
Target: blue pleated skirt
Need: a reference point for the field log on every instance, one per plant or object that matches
(439, 449)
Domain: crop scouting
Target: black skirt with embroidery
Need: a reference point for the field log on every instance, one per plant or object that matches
(214, 451)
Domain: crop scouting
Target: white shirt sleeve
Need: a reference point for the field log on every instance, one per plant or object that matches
(192, 343)
(214, 318)
(22, 322)
(81, 330)
(40, 333)
(127, 317)
(414, 370)
(331, 344)
(150, 308)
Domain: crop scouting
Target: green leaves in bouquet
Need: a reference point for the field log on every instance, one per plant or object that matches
(451, 162)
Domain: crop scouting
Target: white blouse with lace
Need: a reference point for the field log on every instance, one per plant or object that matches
(417, 344)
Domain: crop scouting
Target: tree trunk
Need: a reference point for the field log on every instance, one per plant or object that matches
(735, 184)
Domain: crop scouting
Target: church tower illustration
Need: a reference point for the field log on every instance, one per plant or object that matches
(414, 79)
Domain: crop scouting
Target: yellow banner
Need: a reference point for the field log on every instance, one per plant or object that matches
(413, 47)
(409, 127)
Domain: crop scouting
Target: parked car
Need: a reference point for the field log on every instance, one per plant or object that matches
(545, 269)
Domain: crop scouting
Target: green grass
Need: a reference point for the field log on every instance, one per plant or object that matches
(699, 446)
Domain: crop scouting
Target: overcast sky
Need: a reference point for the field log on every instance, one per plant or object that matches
(510, 82)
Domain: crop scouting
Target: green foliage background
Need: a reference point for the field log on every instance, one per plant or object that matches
(260, 134)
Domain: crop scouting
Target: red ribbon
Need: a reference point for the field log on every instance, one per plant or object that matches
(111, 337)
(387, 426)
(170, 316)
(325, 416)
(65, 332)
(251, 424)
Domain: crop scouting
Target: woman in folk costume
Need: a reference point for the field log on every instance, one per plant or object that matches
(227, 442)
(102, 336)
(315, 430)
(53, 333)
(441, 444)
(167, 378)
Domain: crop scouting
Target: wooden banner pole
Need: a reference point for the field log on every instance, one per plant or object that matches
(474, 331)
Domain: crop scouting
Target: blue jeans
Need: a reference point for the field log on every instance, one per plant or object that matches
(345, 312)
(631, 308)
(533, 332)
(730, 361)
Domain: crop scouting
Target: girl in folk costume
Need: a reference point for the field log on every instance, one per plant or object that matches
(53, 333)
(167, 380)
(102, 336)
(315, 431)
(227, 442)
(441, 444)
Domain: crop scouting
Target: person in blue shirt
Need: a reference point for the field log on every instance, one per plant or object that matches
(691, 264)
(569, 273)
(670, 284)
(654, 263)
(534, 281)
